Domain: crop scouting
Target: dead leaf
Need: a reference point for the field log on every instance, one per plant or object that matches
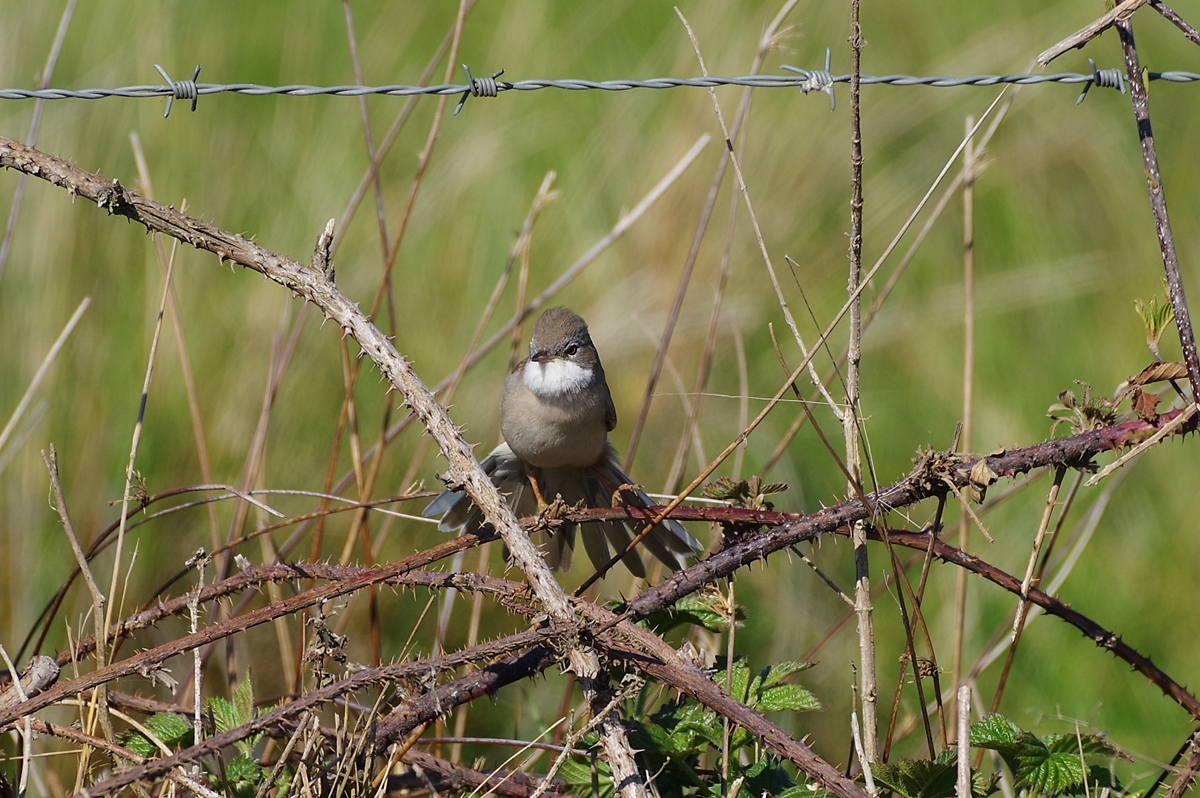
(982, 474)
(1145, 404)
(1160, 372)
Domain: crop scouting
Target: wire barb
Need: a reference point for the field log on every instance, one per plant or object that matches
(480, 87)
(180, 89)
(817, 80)
(1104, 78)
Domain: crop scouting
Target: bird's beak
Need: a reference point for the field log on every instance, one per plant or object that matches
(541, 357)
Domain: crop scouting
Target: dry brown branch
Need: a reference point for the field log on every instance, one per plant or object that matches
(1187, 775)
(99, 743)
(513, 784)
(1158, 204)
(868, 688)
(1079, 38)
(144, 662)
(104, 539)
(620, 639)
(253, 577)
(1169, 14)
(41, 673)
(277, 718)
(1102, 637)
(534, 660)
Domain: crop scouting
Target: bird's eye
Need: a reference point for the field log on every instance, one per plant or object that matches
(572, 350)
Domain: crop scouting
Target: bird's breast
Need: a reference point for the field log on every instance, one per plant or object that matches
(555, 431)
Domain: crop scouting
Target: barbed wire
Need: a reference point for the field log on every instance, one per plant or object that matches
(805, 80)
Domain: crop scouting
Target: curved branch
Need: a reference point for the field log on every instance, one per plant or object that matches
(1103, 638)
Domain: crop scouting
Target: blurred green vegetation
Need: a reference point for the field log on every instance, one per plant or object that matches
(1064, 244)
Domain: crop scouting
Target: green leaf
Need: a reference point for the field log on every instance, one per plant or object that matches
(650, 736)
(993, 729)
(138, 743)
(578, 775)
(283, 784)
(764, 777)
(708, 609)
(170, 728)
(245, 769)
(787, 697)
(913, 778)
(776, 673)
(243, 700)
(1099, 777)
(1090, 745)
(243, 775)
(224, 713)
(1044, 771)
(1048, 766)
(1156, 318)
(697, 723)
(739, 688)
(931, 779)
(768, 693)
(999, 734)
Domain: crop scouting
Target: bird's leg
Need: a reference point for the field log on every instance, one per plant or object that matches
(616, 490)
(531, 473)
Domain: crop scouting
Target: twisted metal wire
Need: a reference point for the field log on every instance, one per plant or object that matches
(806, 80)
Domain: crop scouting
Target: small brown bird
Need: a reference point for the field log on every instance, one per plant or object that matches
(555, 417)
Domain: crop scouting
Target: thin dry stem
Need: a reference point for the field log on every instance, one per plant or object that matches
(43, 368)
(860, 749)
(64, 22)
(744, 190)
(423, 161)
(963, 785)
(968, 404)
(385, 146)
(60, 505)
(369, 139)
(185, 362)
(766, 42)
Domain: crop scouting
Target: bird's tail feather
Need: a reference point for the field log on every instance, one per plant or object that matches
(599, 486)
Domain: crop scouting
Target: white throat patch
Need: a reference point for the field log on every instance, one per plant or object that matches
(555, 378)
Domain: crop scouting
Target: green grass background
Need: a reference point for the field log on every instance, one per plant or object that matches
(1064, 243)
